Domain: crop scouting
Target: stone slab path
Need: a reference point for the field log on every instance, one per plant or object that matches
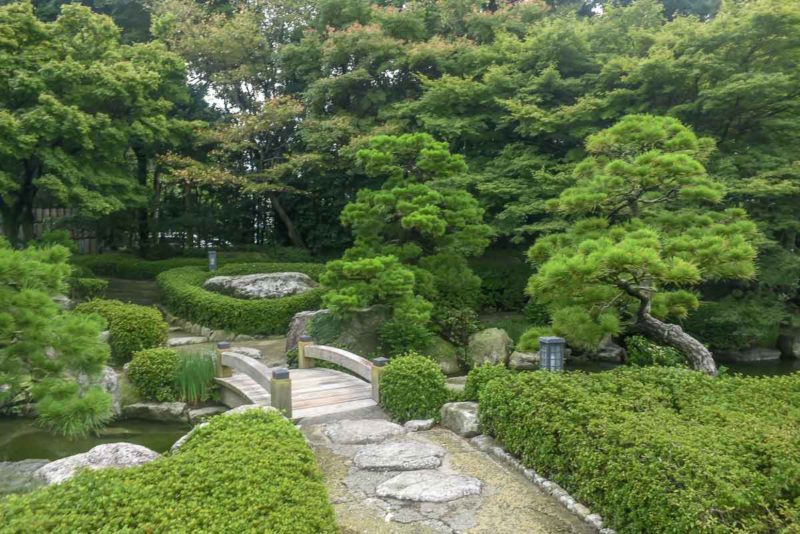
(383, 478)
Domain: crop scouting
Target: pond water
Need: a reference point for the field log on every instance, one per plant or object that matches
(21, 438)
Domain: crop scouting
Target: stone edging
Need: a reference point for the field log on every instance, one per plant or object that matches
(203, 331)
(488, 445)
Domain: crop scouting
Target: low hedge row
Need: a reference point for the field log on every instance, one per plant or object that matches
(120, 265)
(182, 293)
(659, 449)
(251, 472)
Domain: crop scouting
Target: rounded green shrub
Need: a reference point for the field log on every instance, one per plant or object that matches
(529, 341)
(396, 337)
(183, 295)
(131, 327)
(413, 387)
(479, 376)
(154, 372)
(250, 472)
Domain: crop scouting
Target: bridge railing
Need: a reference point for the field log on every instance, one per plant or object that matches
(370, 371)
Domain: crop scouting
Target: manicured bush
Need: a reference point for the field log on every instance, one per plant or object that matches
(479, 376)
(86, 288)
(154, 373)
(412, 387)
(131, 327)
(119, 265)
(529, 341)
(251, 472)
(396, 337)
(643, 352)
(659, 449)
(182, 293)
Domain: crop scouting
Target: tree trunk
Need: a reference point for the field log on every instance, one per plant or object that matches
(10, 226)
(673, 336)
(141, 212)
(294, 236)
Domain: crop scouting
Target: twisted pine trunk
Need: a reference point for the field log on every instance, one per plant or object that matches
(674, 336)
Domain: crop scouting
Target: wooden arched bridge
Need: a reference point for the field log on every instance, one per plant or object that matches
(305, 392)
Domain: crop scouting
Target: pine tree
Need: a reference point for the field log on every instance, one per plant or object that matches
(643, 234)
(47, 353)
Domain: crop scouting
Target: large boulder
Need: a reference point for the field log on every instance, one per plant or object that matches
(108, 455)
(261, 286)
(609, 351)
(753, 354)
(108, 381)
(299, 326)
(461, 418)
(492, 346)
(359, 333)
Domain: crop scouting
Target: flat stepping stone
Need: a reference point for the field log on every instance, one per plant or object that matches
(399, 456)
(429, 486)
(360, 431)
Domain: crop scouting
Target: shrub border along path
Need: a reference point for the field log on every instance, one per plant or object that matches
(183, 295)
(250, 472)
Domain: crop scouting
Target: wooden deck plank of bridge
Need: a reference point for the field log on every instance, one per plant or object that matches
(332, 399)
(333, 408)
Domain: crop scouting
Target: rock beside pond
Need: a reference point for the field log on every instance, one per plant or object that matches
(461, 418)
(187, 340)
(789, 345)
(115, 455)
(109, 382)
(261, 286)
(250, 352)
(19, 477)
(491, 346)
(609, 351)
(523, 361)
(168, 412)
(753, 354)
(201, 414)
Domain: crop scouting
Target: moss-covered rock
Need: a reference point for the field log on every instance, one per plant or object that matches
(492, 346)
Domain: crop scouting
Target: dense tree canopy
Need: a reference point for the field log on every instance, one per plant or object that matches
(303, 122)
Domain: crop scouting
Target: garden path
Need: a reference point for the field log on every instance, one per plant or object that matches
(383, 478)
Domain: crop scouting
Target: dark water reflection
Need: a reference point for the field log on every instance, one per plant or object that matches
(21, 438)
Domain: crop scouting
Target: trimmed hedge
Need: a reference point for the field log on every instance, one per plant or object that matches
(251, 472)
(659, 449)
(120, 265)
(182, 293)
(131, 327)
(479, 376)
(413, 387)
(153, 373)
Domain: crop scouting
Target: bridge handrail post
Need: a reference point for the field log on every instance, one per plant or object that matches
(303, 362)
(378, 366)
(280, 391)
(222, 371)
